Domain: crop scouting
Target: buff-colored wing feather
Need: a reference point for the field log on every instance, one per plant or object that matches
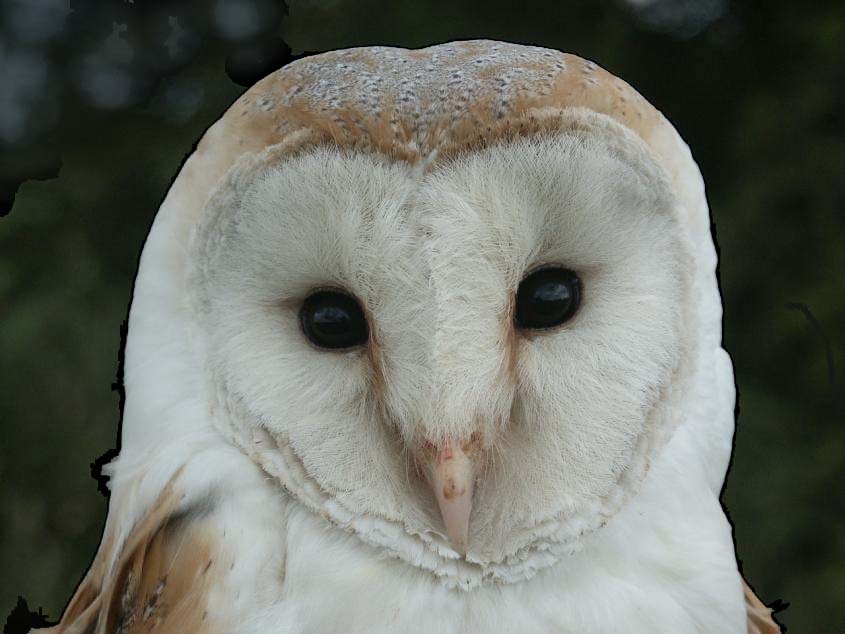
(158, 582)
(760, 619)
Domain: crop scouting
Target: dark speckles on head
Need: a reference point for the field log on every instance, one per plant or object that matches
(409, 103)
(265, 102)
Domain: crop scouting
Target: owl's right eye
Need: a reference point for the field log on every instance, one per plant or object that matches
(547, 298)
(333, 320)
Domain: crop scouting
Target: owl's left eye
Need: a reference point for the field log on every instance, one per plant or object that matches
(334, 320)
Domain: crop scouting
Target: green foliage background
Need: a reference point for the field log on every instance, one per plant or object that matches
(758, 96)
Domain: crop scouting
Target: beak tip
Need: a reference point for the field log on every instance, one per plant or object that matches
(457, 538)
(460, 548)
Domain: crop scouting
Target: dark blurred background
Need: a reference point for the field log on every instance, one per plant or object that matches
(101, 101)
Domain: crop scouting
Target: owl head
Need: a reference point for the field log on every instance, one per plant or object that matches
(454, 300)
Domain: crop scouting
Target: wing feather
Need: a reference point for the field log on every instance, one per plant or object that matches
(159, 580)
(760, 619)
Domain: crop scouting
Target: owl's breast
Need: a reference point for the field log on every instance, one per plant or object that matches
(335, 583)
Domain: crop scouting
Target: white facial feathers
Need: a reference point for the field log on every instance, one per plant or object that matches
(566, 420)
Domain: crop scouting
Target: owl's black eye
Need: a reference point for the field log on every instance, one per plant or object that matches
(332, 319)
(547, 297)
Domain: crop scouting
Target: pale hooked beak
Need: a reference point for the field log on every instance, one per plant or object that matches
(452, 471)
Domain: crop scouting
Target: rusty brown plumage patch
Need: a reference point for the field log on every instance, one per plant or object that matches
(158, 582)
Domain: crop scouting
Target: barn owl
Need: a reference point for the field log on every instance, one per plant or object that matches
(426, 341)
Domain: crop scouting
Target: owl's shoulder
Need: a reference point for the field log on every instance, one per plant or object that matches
(157, 578)
(185, 560)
